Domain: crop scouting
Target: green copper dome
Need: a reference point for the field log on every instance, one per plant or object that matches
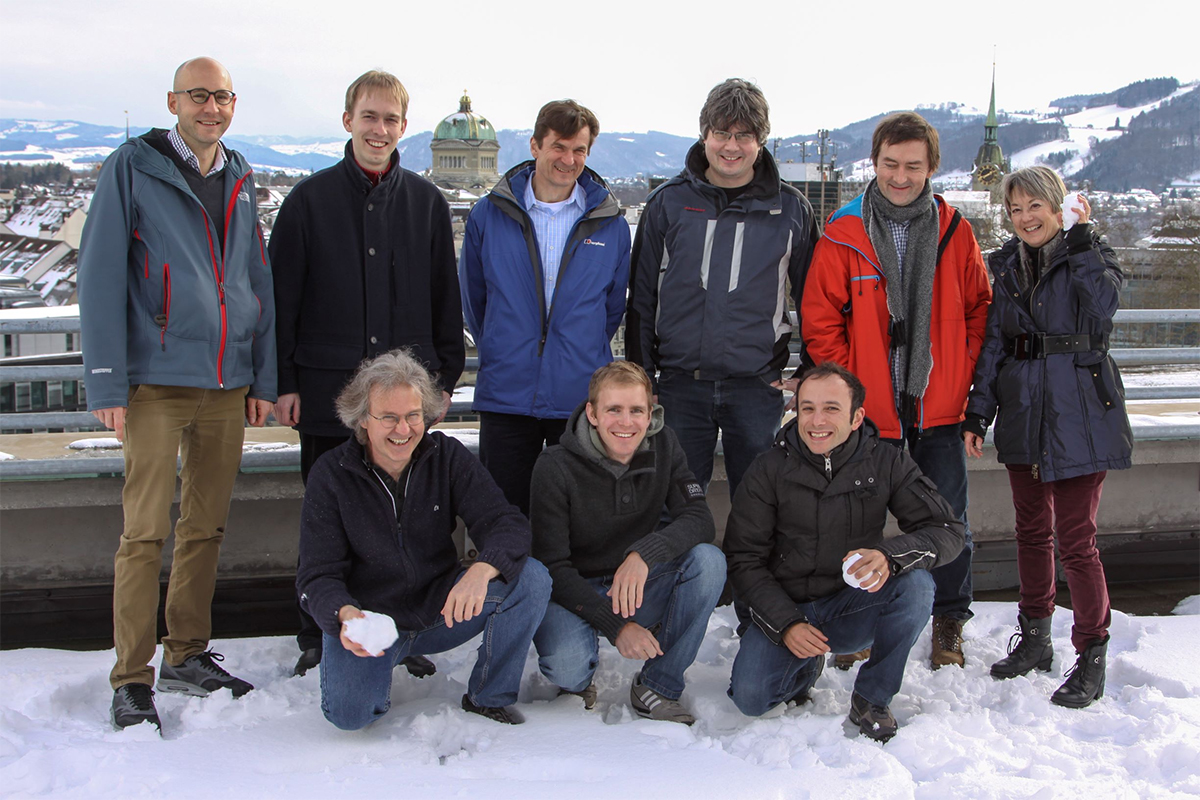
(465, 124)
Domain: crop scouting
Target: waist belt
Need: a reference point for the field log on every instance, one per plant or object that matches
(1039, 345)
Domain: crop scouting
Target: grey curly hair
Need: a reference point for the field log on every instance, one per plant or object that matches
(391, 370)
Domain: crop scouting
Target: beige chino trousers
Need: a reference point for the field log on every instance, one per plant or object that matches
(205, 427)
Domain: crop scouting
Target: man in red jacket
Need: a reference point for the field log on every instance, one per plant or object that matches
(898, 294)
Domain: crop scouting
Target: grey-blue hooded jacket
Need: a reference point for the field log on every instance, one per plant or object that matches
(160, 303)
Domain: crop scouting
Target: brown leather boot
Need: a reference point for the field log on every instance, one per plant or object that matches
(845, 661)
(947, 642)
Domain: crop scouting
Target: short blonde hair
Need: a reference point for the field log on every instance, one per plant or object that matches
(386, 82)
(1040, 183)
(622, 373)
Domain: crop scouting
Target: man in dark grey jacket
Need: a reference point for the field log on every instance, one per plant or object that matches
(179, 348)
(708, 305)
(597, 503)
(811, 508)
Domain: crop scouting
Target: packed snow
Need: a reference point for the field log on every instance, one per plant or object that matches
(99, 443)
(374, 632)
(6, 456)
(962, 733)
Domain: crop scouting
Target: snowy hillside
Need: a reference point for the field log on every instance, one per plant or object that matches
(963, 734)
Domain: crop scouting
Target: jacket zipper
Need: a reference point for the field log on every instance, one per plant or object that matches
(220, 297)
(162, 332)
(828, 468)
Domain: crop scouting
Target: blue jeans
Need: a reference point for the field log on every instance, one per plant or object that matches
(766, 674)
(356, 691)
(940, 454)
(679, 594)
(746, 411)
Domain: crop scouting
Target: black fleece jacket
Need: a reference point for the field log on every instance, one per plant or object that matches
(589, 512)
(791, 524)
(354, 551)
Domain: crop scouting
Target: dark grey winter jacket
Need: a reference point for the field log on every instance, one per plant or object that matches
(588, 512)
(707, 290)
(790, 525)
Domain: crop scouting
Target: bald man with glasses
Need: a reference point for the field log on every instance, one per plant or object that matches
(177, 314)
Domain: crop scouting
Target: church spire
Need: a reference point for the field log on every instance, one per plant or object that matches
(990, 126)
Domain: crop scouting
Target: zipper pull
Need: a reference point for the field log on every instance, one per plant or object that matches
(828, 467)
(221, 291)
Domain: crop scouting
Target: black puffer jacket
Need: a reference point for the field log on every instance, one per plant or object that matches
(790, 525)
(1065, 412)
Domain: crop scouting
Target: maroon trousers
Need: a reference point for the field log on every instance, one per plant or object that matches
(1066, 508)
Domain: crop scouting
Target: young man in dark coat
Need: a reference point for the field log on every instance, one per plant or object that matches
(364, 262)
(598, 500)
(812, 503)
(375, 534)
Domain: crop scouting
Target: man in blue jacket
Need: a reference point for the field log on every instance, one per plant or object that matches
(708, 310)
(178, 330)
(543, 272)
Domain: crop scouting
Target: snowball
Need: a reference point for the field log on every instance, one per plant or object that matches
(373, 632)
(1072, 204)
(850, 580)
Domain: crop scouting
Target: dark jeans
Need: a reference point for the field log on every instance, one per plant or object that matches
(356, 691)
(679, 594)
(745, 411)
(766, 674)
(1065, 509)
(509, 445)
(940, 454)
(312, 448)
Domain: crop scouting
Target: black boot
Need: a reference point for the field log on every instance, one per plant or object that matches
(1028, 649)
(1085, 680)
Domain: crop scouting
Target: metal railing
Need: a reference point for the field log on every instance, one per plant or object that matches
(12, 323)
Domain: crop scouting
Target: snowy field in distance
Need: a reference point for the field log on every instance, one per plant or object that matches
(963, 734)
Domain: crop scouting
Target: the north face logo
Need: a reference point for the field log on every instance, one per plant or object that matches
(243, 196)
(593, 241)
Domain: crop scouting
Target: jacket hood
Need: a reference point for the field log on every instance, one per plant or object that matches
(764, 186)
(599, 199)
(582, 439)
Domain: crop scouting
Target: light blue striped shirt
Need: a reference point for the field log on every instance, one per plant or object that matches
(552, 226)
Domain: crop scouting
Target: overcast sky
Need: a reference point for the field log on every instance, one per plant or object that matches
(640, 66)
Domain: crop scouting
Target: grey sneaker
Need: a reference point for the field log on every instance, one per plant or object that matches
(133, 704)
(199, 675)
(587, 695)
(875, 722)
(652, 705)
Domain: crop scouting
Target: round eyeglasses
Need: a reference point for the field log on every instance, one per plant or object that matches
(200, 96)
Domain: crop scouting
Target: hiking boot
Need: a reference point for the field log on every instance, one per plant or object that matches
(506, 714)
(802, 695)
(308, 659)
(845, 661)
(1085, 680)
(587, 695)
(1028, 649)
(874, 722)
(133, 703)
(199, 675)
(418, 666)
(652, 705)
(947, 642)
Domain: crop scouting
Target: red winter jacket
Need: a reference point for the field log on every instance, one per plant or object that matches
(845, 317)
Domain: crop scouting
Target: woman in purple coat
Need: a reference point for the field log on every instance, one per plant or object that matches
(1047, 379)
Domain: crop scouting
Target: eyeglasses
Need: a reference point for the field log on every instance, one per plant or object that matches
(744, 137)
(200, 96)
(390, 421)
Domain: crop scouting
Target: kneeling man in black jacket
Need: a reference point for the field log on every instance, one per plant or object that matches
(816, 500)
(375, 534)
(597, 509)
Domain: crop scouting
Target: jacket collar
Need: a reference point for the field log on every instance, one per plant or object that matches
(148, 160)
(388, 183)
(352, 456)
(764, 186)
(598, 199)
(579, 439)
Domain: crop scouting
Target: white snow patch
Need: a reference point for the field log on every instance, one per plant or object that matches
(100, 443)
(251, 447)
(6, 456)
(962, 733)
(1189, 606)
